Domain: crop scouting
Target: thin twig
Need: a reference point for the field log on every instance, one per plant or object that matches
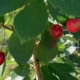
(6, 27)
(37, 65)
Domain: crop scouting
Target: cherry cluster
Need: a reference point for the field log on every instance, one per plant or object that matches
(72, 25)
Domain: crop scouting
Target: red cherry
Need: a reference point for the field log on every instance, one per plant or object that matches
(56, 31)
(73, 25)
(2, 57)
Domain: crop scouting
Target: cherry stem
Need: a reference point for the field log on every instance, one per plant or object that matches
(37, 64)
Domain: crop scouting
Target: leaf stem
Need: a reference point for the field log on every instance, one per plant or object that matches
(37, 65)
(6, 27)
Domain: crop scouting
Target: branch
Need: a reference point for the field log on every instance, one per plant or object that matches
(76, 53)
(37, 65)
(6, 27)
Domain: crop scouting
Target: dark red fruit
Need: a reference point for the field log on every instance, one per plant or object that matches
(56, 31)
(2, 57)
(73, 25)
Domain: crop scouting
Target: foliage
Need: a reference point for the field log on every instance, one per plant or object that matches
(27, 26)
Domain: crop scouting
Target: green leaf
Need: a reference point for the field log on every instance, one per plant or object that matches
(47, 40)
(31, 21)
(27, 78)
(58, 60)
(20, 52)
(19, 73)
(77, 60)
(66, 61)
(70, 7)
(55, 12)
(45, 54)
(67, 53)
(61, 47)
(62, 71)
(58, 71)
(47, 75)
(77, 34)
(70, 38)
(2, 69)
(10, 5)
(2, 19)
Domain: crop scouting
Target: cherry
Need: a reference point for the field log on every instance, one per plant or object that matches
(73, 25)
(2, 57)
(56, 31)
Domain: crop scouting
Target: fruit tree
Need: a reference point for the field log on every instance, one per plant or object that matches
(39, 38)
